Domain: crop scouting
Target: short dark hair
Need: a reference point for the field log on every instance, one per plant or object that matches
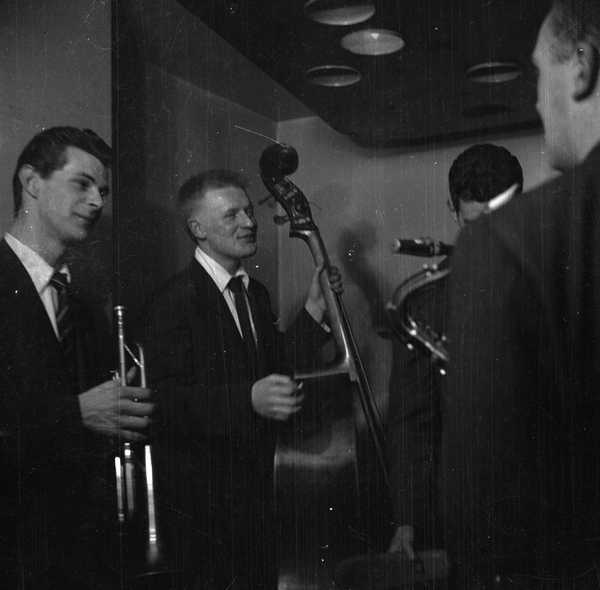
(45, 153)
(573, 21)
(482, 172)
(195, 188)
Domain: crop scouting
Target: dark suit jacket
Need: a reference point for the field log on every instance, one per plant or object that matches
(215, 452)
(521, 468)
(413, 433)
(45, 454)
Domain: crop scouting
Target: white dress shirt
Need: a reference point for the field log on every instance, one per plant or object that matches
(221, 278)
(41, 273)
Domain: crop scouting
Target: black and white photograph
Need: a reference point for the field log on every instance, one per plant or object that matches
(300, 295)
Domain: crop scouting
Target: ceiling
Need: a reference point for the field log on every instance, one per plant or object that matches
(416, 95)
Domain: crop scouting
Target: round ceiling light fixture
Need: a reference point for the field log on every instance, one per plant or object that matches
(373, 42)
(333, 76)
(341, 13)
(494, 72)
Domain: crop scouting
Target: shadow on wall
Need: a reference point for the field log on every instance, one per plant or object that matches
(140, 226)
(354, 245)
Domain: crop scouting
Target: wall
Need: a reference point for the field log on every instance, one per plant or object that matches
(361, 200)
(55, 71)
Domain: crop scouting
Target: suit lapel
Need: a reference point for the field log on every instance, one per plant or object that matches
(28, 328)
(212, 302)
(18, 286)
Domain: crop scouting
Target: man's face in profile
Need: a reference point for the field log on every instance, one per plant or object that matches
(70, 200)
(553, 96)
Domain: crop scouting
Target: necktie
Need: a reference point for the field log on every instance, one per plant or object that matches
(236, 286)
(64, 319)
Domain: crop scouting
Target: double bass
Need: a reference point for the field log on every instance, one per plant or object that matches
(331, 482)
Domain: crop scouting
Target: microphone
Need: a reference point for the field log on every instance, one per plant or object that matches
(427, 247)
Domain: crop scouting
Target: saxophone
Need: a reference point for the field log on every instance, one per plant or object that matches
(416, 312)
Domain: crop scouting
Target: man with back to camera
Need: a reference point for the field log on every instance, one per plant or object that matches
(520, 459)
(54, 415)
(481, 179)
(222, 376)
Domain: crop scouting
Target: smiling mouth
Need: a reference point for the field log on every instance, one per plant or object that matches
(88, 218)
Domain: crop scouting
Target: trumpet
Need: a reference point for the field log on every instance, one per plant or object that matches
(136, 500)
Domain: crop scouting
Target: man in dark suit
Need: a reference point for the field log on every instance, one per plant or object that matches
(53, 413)
(521, 442)
(481, 179)
(222, 373)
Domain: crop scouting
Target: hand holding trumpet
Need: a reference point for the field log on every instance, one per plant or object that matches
(116, 410)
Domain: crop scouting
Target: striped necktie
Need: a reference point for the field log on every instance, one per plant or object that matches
(64, 317)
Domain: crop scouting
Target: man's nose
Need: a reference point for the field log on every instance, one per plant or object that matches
(248, 219)
(96, 198)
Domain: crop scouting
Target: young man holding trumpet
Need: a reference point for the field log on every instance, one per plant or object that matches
(55, 410)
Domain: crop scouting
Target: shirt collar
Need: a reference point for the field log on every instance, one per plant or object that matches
(37, 268)
(502, 198)
(218, 274)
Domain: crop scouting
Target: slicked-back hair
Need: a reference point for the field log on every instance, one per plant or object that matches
(194, 188)
(482, 172)
(45, 153)
(573, 21)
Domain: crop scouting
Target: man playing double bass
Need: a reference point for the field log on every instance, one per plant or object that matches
(222, 372)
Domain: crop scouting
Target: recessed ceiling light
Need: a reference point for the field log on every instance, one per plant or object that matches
(339, 12)
(494, 72)
(333, 76)
(373, 42)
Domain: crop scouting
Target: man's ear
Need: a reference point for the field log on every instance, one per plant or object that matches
(30, 180)
(195, 228)
(586, 72)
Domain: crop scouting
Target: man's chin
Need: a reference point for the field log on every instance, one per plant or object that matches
(558, 156)
(77, 236)
(249, 250)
